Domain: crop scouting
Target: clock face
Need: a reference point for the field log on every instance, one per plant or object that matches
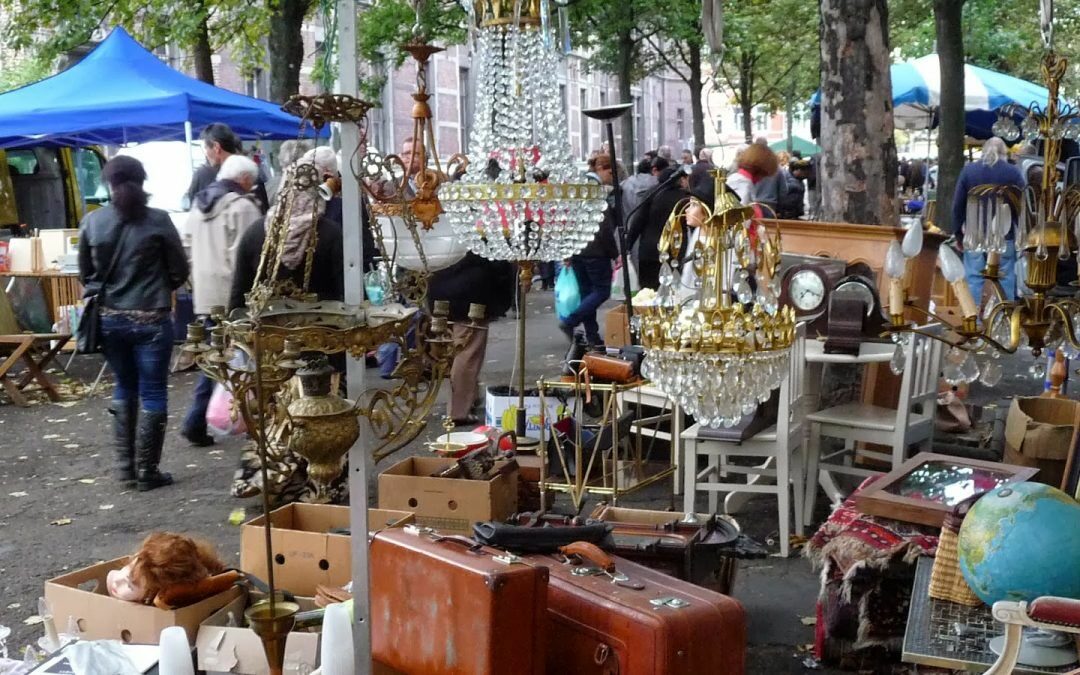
(807, 290)
(857, 290)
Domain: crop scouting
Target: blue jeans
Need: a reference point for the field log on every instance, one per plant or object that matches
(389, 353)
(594, 282)
(195, 421)
(138, 354)
(975, 263)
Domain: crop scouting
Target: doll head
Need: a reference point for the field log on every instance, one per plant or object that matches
(164, 560)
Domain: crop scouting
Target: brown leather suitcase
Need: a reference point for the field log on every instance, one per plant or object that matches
(641, 622)
(443, 605)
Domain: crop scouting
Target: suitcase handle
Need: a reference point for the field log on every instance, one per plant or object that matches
(590, 552)
(470, 544)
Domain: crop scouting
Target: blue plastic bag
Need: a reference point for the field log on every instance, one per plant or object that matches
(567, 293)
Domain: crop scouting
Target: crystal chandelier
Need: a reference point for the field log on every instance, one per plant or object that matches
(1046, 231)
(717, 347)
(522, 198)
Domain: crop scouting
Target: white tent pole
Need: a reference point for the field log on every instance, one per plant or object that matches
(352, 240)
(189, 139)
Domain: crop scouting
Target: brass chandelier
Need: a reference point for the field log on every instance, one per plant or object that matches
(714, 343)
(1047, 228)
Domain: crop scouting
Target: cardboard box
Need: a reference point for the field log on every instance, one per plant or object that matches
(1038, 433)
(500, 407)
(229, 649)
(82, 594)
(306, 553)
(616, 327)
(450, 505)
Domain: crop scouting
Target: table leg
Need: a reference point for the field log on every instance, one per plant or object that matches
(34, 370)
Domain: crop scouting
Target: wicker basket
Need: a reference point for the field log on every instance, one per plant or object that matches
(946, 581)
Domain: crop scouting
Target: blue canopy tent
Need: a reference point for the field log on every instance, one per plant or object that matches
(121, 93)
(916, 89)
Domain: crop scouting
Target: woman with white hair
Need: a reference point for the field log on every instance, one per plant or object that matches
(993, 168)
(219, 217)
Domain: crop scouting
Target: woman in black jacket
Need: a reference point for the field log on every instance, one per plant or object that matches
(648, 223)
(135, 296)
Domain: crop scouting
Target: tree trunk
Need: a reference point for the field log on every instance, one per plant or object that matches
(286, 48)
(789, 115)
(858, 160)
(746, 90)
(948, 18)
(626, 81)
(204, 63)
(696, 86)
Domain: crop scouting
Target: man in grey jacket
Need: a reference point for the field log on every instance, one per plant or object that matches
(219, 216)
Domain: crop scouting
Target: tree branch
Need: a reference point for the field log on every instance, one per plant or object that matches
(667, 61)
(775, 86)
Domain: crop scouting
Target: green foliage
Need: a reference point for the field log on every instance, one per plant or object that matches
(615, 34)
(22, 73)
(677, 38)
(48, 29)
(771, 53)
(383, 28)
(1001, 35)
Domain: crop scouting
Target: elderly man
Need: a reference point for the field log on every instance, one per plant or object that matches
(220, 143)
(993, 168)
(701, 169)
(221, 214)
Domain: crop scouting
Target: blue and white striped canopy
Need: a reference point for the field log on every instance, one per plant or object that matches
(916, 88)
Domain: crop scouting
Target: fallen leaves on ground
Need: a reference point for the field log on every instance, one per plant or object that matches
(33, 620)
(808, 620)
(16, 494)
(61, 521)
(88, 481)
(105, 507)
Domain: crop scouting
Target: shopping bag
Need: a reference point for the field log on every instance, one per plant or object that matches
(219, 419)
(567, 293)
(617, 279)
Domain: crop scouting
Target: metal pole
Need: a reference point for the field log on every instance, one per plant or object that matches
(352, 240)
(620, 227)
(189, 139)
(524, 276)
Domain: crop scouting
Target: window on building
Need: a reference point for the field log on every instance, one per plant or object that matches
(564, 100)
(583, 104)
(254, 86)
(465, 107)
(680, 123)
(603, 98)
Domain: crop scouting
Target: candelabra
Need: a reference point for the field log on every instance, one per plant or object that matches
(1044, 221)
(715, 345)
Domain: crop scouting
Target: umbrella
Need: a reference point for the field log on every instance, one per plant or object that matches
(916, 88)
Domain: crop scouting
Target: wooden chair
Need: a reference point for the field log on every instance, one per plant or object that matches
(780, 445)
(898, 429)
(34, 350)
(1046, 613)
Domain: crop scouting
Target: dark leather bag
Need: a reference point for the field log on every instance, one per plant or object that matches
(523, 539)
(88, 332)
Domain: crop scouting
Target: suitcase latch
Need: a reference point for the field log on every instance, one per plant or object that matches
(508, 559)
(670, 602)
(418, 531)
(586, 571)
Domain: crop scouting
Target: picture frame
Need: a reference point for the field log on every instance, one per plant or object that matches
(910, 493)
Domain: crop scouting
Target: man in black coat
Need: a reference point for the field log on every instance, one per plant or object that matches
(472, 279)
(648, 224)
(219, 142)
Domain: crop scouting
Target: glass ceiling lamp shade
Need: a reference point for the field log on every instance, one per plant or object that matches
(522, 197)
(717, 347)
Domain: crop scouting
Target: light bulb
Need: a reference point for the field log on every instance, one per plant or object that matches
(913, 240)
(895, 261)
(951, 266)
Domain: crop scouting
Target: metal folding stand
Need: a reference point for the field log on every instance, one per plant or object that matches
(612, 463)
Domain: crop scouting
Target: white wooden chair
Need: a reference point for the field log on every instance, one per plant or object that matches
(780, 445)
(911, 423)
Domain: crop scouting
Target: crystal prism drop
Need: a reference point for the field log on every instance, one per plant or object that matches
(898, 361)
(969, 369)
(1038, 370)
(991, 373)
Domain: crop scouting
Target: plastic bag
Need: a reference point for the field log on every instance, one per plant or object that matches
(617, 279)
(100, 657)
(219, 414)
(567, 293)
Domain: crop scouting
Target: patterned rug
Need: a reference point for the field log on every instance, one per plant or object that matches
(867, 568)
